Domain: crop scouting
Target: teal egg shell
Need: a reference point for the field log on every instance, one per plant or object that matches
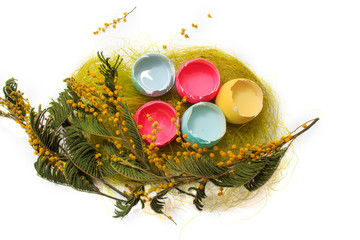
(204, 123)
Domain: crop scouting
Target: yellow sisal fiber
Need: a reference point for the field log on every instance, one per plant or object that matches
(267, 126)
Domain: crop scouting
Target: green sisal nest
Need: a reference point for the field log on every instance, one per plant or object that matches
(79, 145)
(265, 127)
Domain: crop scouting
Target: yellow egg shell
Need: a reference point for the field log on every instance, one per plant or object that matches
(241, 100)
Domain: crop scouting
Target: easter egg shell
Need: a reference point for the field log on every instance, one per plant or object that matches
(241, 100)
(204, 123)
(153, 74)
(197, 79)
(162, 113)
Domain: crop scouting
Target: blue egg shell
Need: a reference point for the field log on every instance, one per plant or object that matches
(204, 123)
(153, 74)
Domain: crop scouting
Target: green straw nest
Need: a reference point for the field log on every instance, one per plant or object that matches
(266, 127)
(89, 140)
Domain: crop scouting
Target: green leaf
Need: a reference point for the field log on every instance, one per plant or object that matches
(123, 208)
(158, 202)
(108, 70)
(241, 174)
(9, 88)
(201, 167)
(132, 173)
(91, 125)
(48, 171)
(77, 179)
(129, 168)
(132, 127)
(266, 172)
(107, 170)
(61, 110)
(199, 197)
(82, 153)
(42, 127)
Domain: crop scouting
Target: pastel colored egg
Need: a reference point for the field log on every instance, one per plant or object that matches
(198, 79)
(162, 113)
(153, 74)
(204, 123)
(241, 100)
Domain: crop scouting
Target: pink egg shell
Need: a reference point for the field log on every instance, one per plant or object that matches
(198, 79)
(161, 112)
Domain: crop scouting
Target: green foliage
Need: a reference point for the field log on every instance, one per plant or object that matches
(48, 171)
(10, 86)
(200, 195)
(266, 172)
(241, 174)
(9, 89)
(77, 179)
(127, 167)
(133, 172)
(90, 125)
(43, 129)
(200, 167)
(108, 70)
(107, 170)
(132, 127)
(158, 202)
(61, 110)
(123, 208)
(82, 153)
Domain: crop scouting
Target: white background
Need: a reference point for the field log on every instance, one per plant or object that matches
(309, 52)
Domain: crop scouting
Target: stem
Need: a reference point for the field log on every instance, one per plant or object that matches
(127, 14)
(313, 121)
(113, 188)
(112, 23)
(108, 196)
(133, 150)
(184, 192)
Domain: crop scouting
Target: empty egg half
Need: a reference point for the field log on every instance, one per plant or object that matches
(197, 79)
(204, 123)
(159, 113)
(241, 100)
(153, 74)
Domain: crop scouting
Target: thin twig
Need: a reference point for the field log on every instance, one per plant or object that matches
(313, 121)
(114, 22)
(184, 192)
(133, 150)
(113, 188)
(108, 196)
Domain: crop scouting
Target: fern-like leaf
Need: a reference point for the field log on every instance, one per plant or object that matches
(132, 127)
(107, 170)
(9, 88)
(199, 197)
(201, 167)
(60, 110)
(82, 153)
(128, 168)
(158, 202)
(48, 171)
(108, 70)
(42, 127)
(123, 208)
(77, 179)
(90, 125)
(266, 172)
(241, 174)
